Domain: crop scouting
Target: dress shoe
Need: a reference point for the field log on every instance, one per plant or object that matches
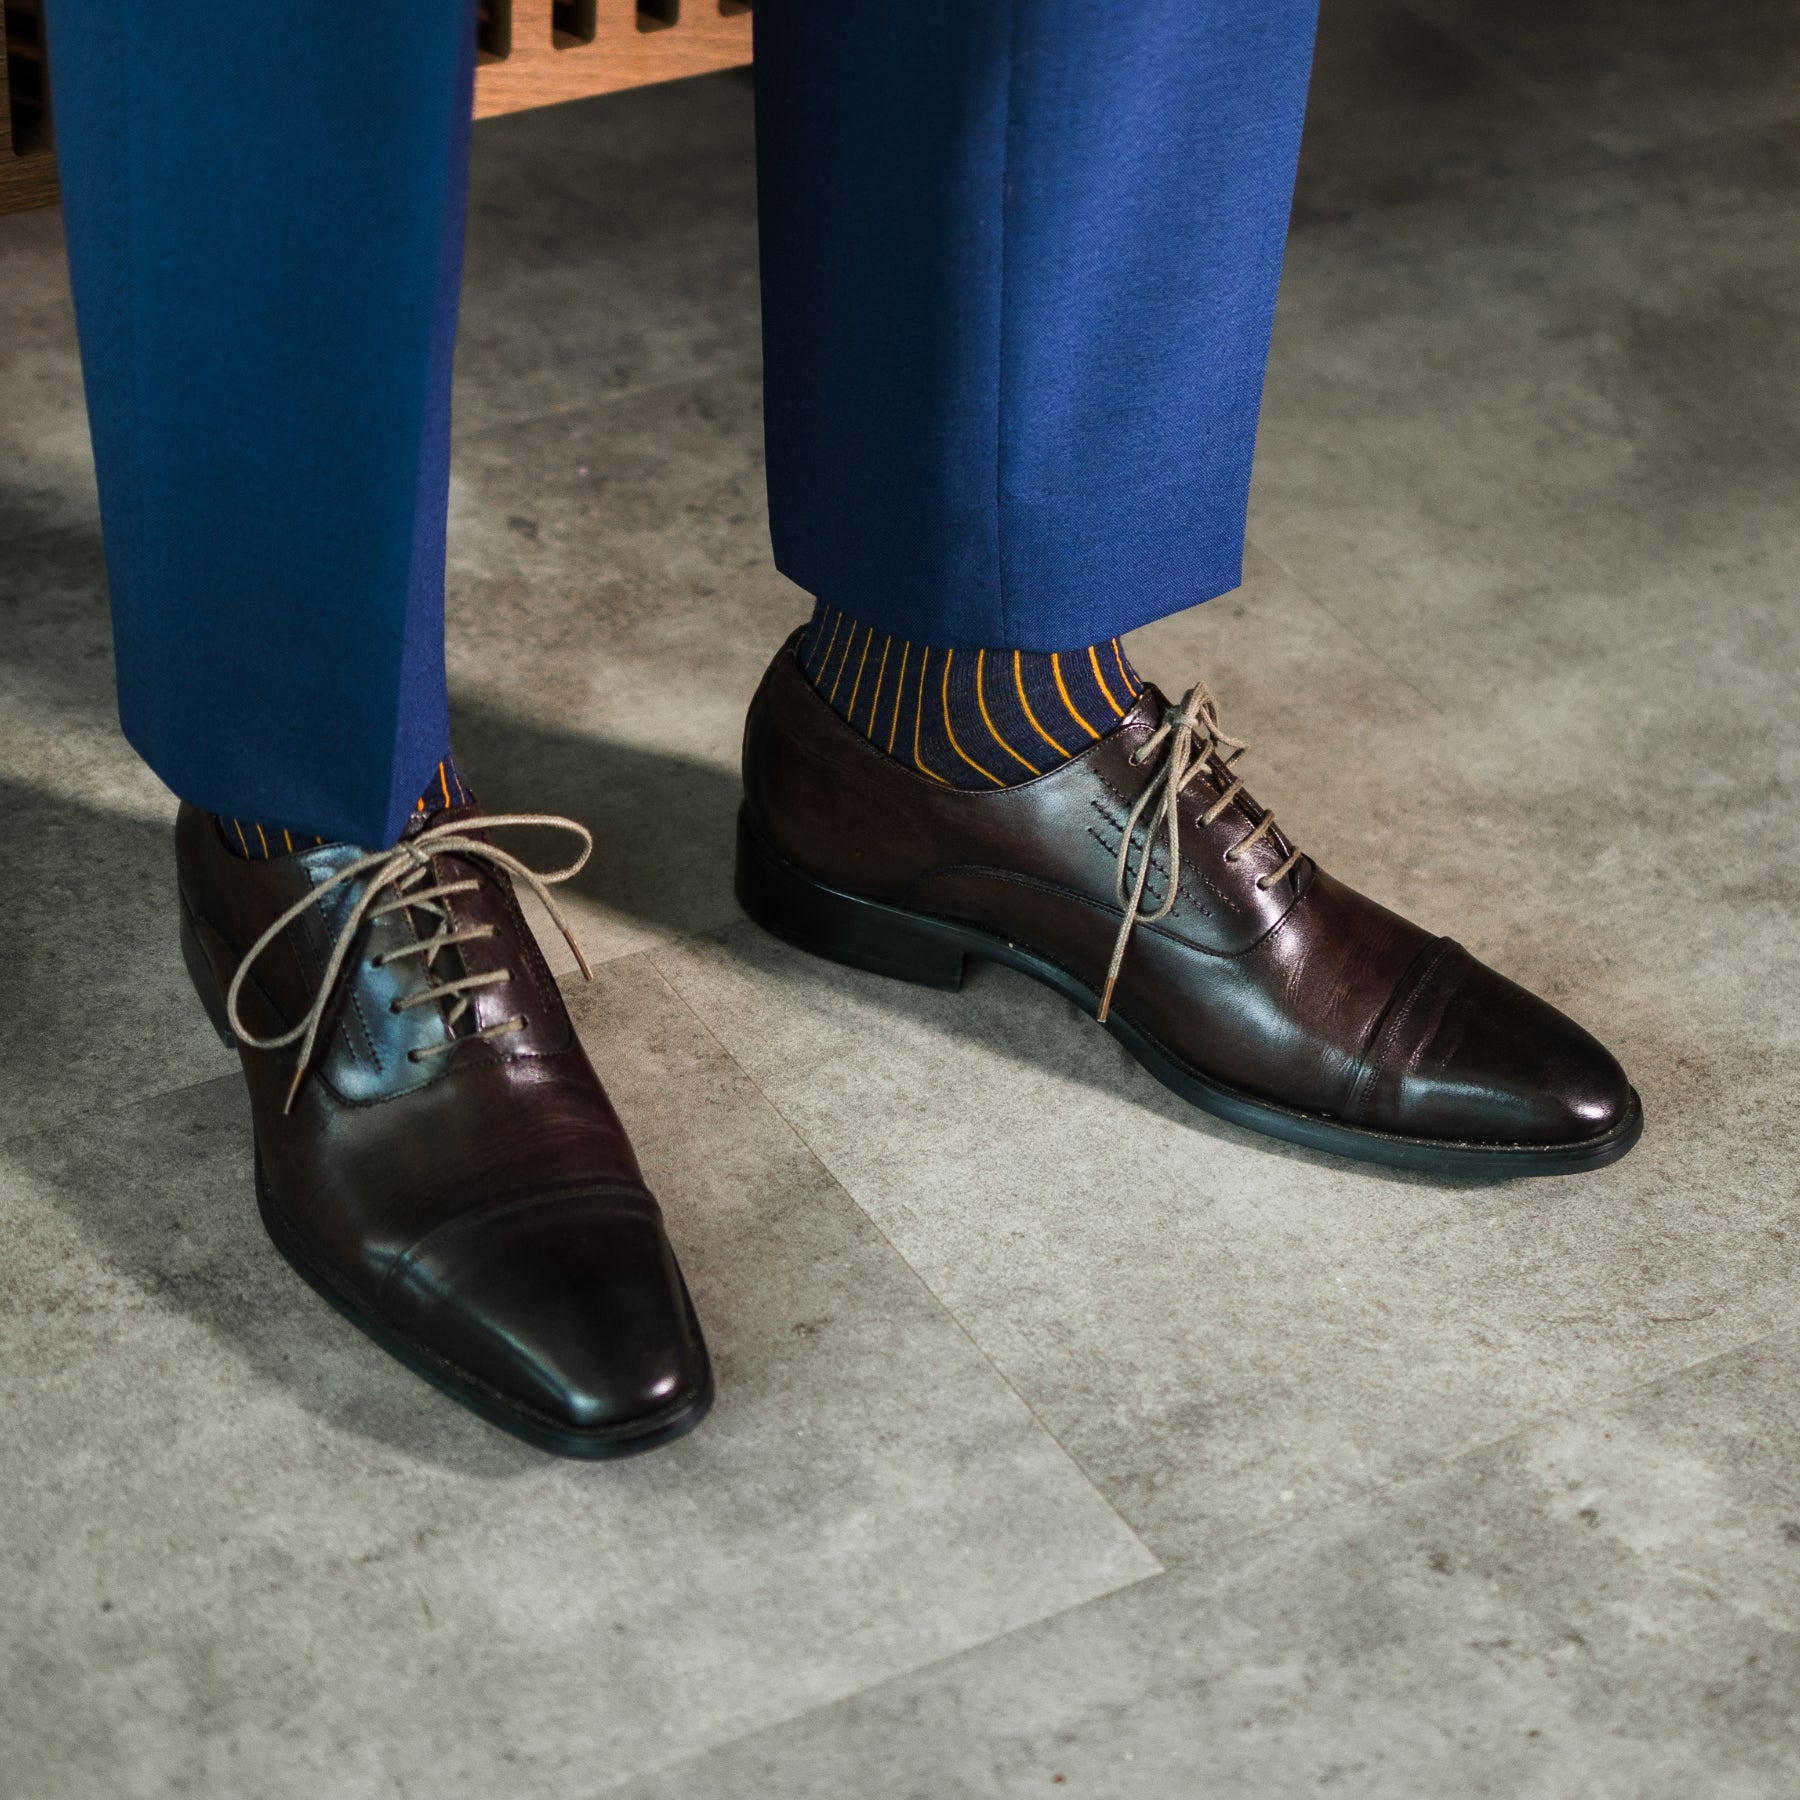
(1143, 882)
(434, 1152)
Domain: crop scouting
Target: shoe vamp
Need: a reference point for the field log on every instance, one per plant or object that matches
(362, 1184)
(1291, 1018)
(1287, 1017)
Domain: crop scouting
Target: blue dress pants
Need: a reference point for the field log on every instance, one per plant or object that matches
(1019, 262)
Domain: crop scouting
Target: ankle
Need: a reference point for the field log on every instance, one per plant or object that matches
(969, 717)
(258, 840)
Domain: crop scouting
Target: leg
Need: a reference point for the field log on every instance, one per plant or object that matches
(1020, 265)
(1019, 269)
(265, 226)
(265, 234)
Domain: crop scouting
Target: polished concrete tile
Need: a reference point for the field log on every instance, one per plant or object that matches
(98, 1006)
(611, 270)
(1399, 107)
(99, 1010)
(612, 246)
(1606, 1607)
(1637, 74)
(245, 1553)
(1521, 429)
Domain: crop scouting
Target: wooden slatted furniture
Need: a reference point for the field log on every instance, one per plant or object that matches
(532, 53)
(27, 165)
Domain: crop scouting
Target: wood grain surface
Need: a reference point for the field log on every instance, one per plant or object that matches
(538, 66)
(543, 66)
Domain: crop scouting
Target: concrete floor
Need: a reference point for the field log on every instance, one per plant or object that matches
(1068, 1441)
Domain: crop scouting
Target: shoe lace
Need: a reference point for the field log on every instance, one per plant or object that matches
(406, 870)
(1196, 742)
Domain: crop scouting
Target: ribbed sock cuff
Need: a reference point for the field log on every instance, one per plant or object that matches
(258, 840)
(972, 718)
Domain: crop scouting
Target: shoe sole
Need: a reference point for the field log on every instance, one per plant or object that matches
(662, 1427)
(888, 940)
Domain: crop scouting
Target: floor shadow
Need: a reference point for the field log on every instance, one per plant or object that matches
(663, 824)
(163, 1191)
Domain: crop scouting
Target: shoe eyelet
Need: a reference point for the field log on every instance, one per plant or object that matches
(394, 1008)
(412, 1056)
(1262, 884)
(1232, 856)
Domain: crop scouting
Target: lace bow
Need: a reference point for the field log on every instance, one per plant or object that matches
(407, 870)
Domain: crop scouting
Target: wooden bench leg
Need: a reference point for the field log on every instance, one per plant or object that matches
(27, 163)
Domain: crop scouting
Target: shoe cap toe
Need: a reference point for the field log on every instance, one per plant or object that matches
(571, 1308)
(1485, 1060)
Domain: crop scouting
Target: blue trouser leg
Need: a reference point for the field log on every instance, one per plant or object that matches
(1020, 260)
(1019, 268)
(264, 208)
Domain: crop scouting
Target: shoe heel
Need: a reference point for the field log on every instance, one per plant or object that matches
(205, 983)
(863, 934)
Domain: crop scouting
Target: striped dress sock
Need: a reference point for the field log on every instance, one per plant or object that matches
(968, 718)
(259, 841)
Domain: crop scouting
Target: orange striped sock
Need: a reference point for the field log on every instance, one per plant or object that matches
(972, 718)
(259, 840)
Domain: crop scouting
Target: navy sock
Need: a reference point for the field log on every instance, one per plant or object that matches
(259, 841)
(969, 718)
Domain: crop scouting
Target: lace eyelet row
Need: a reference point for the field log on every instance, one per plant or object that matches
(1195, 742)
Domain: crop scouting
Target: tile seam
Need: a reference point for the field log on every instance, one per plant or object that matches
(906, 1262)
(659, 1771)
(1260, 544)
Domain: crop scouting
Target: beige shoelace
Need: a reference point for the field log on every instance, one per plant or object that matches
(1196, 742)
(406, 869)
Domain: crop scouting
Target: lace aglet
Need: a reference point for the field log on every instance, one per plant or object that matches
(587, 972)
(287, 1106)
(1106, 999)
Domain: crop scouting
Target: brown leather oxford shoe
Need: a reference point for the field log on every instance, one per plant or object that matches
(1140, 880)
(434, 1152)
